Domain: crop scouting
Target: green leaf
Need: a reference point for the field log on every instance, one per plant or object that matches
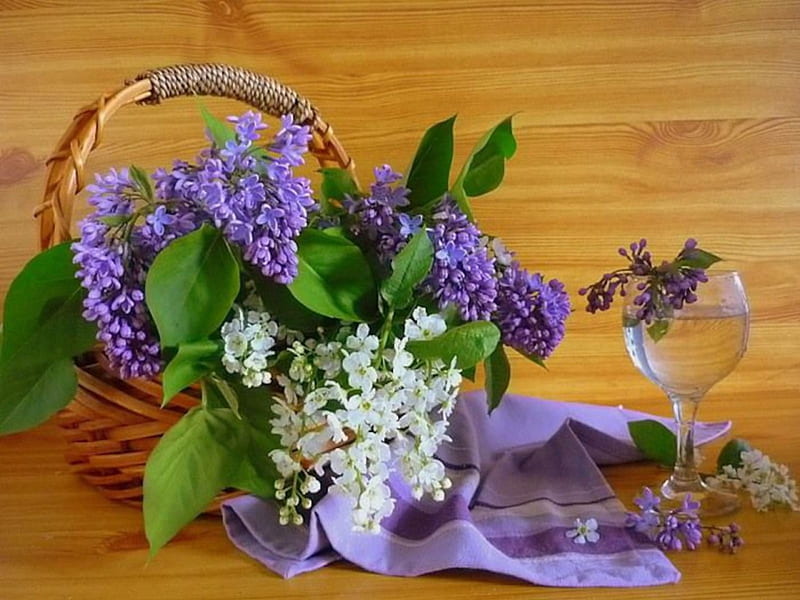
(429, 173)
(411, 265)
(654, 440)
(199, 456)
(697, 258)
(630, 321)
(42, 319)
(658, 329)
(534, 358)
(287, 310)
(141, 181)
(334, 278)
(336, 184)
(32, 393)
(731, 453)
(114, 220)
(227, 393)
(219, 131)
(484, 169)
(498, 375)
(469, 344)
(191, 286)
(468, 373)
(193, 361)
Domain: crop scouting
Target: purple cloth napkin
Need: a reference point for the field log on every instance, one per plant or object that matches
(520, 479)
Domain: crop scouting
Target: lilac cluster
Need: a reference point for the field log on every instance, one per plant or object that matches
(530, 311)
(663, 289)
(727, 539)
(463, 272)
(376, 218)
(115, 282)
(252, 197)
(678, 528)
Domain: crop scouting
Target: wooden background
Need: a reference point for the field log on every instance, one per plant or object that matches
(663, 119)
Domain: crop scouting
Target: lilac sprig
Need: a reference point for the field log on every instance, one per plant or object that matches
(248, 192)
(663, 289)
(679, 528)
(463, 272)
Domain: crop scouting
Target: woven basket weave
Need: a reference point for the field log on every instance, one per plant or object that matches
(112, 425)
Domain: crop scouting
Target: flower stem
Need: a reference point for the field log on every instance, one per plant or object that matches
(387, 327)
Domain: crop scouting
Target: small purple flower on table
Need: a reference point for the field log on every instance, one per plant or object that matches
(679, 528)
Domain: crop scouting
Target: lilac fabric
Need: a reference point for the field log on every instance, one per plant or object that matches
(520, 479)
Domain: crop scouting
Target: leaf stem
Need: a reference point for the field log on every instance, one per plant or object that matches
(387, 327)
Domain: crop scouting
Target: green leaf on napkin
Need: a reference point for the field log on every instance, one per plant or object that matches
(731, 453)
(334, 278)
(411, 265)
(498, 375)
(654, 440)
(429, 173)
(191, 286)
(469, 344)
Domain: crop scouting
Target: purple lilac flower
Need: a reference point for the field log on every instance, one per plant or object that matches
(165, 224)
(727, 539)
(665, 288)
(256, 201)
(377, 218)
(112, 193)
(676, 529)
(115, 284)
(409, 225)
(463, 272)
(530, 312)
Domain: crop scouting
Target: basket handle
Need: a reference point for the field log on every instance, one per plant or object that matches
(66, 175)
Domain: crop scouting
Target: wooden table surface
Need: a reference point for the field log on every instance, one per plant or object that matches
(662, 118)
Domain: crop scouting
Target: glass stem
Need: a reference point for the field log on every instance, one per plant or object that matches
(685, 477)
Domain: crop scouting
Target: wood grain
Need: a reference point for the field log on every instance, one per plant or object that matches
(655, 118)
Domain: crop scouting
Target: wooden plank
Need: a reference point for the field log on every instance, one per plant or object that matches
(661, 119)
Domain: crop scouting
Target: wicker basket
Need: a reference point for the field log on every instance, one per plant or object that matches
(112, 425)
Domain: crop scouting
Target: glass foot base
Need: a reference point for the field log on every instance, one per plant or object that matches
(714, 502)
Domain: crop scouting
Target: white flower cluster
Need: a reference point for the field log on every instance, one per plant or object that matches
(249, 340)
(362, 410)
(769, 484)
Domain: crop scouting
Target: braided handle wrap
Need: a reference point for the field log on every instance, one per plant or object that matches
(66, 166)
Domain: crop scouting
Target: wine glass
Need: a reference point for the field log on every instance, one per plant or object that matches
(685, 352)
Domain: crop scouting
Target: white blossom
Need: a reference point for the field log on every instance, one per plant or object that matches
(362, 341)
(423, 326)
(248, 341)
(769, 484)
(358, 411)
(501, 253)
(584, 532)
